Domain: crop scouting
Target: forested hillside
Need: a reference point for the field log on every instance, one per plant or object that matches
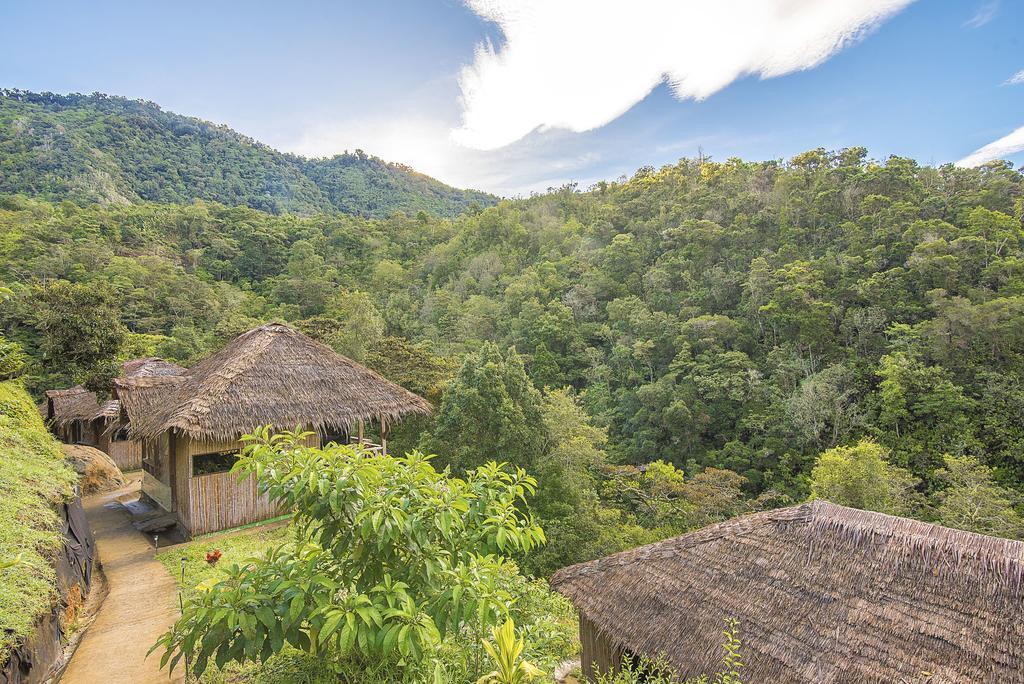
(98, 148)
(730, 321)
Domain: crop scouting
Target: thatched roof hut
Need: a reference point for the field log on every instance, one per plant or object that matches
(823, 593)
(190, 425)
(79, 404)
(271, 375)
(65, 406)
(78, 417)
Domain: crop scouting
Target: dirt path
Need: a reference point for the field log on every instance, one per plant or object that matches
(141, 604)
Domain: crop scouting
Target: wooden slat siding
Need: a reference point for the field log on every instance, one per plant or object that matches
(219, 501)
(598, 655)
(126, 454)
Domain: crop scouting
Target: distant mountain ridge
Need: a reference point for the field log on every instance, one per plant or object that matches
(112, 150)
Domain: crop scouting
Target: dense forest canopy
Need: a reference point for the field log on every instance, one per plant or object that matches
(662, 352)
(111, 150)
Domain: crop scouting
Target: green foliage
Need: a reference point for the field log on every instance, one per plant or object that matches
(505, 652)
(80, 330)
(490, 409)
(658, 671)
(33, 478)
(12, 359)
(98, 148)
(389, 556)
(860, 477)
(974, 501)
(546, 620)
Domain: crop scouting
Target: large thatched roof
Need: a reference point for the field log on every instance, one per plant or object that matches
(823, 593)
(271, 375)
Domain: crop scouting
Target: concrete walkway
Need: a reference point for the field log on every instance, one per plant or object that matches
(141, 605)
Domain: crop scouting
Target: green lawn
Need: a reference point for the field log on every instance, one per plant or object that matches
(33, 477)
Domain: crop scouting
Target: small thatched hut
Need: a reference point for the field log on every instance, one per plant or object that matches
(822, 593)
(70, 413)
(77, 417)
(190, 425)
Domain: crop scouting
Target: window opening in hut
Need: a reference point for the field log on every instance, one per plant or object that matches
(217, 462)
(76, 432)
(120, 435)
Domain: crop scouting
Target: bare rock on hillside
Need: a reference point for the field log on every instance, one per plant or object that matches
(97, 472)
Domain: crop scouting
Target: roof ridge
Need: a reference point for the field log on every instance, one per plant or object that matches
(819, 515)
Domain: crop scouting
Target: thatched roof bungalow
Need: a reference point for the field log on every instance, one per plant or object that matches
(77, 416)
(822, 593)
(190, 425)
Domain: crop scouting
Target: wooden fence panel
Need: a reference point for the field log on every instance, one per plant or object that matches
(220, 501)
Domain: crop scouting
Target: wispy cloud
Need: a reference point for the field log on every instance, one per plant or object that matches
(986, 13)
(579, 64)
(533, 164)
(1005, 147)
(1016, 79)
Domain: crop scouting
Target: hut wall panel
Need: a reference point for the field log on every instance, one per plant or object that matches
(219, 501)
(599, 655)
(181, 479)
(156, 480)
(127, 454)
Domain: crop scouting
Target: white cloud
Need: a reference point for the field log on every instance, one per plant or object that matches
(986, 13)
(579, 64)
(1005, 147)
(534, 164)
(1016, 79)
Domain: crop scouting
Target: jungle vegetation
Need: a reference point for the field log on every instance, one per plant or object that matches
(660, 352)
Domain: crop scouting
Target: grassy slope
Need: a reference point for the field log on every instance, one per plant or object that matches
(33, 476)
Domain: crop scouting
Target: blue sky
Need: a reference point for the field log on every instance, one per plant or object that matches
(566, 91)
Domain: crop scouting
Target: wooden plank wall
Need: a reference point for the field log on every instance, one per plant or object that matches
(220, 501)
(599, 655)
(127, 454)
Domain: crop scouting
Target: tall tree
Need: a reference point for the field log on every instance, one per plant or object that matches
(490, 411)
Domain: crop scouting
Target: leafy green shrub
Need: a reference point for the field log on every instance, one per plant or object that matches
(388, 557)
(506, 654)
(658, 671)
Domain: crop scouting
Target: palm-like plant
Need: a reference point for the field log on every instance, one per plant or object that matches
(505, 652)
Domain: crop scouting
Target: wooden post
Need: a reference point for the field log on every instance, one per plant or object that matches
(383, 435)
(360, 438)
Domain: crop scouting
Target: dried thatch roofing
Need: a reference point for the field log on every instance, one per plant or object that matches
(151, 367)
(77, 403)
(271, 375)
(68, 405)
(823, 593)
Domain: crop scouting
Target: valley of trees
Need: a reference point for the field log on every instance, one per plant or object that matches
(660, 353)
(111, 150)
